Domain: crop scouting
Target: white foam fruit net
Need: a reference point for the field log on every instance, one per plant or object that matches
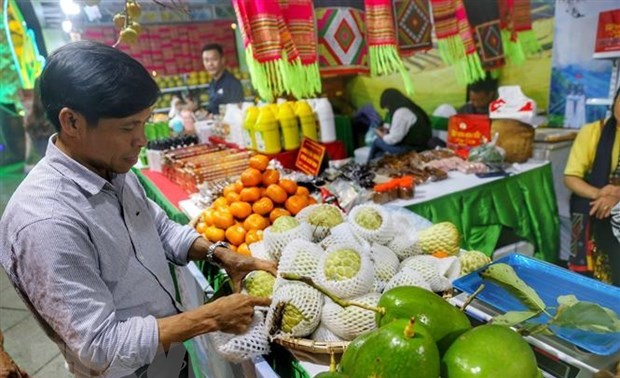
(322, 214)
(300, 257)
(386, 265)
(295, 309)
(449, 267)
(346, 270)
(238, 348)
(406, 243)
(323, 333)
(427, 267)
(276, 241)
(343, 233)
(407, 277)
(258, 250)
(350, 322)
(382, 232)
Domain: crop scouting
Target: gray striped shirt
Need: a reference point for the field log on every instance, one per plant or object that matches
(90, 258)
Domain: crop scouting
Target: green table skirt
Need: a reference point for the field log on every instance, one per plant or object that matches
(525, 203)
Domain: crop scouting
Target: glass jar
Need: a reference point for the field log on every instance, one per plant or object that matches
(381, 194)
(406, 187)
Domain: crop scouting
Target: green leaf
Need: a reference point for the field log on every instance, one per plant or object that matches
(567, 300)
(587, 316)
(505, 276)
(512, 318)
(535, 328)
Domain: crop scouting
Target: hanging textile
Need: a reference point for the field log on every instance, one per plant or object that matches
(299, 18)
(518, 36)
(381, 38)
(280, 46)
(342, 46)
(413, 26)
(483, 16)
(455, 40)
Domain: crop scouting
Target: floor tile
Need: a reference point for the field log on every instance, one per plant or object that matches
(4, 280)
(29, 346)
(9, 318)
(54, 369)
(9, 299)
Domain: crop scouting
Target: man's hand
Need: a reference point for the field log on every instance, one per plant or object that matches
(8, 367)
(234, 313)
(601, 207)
(238, 266)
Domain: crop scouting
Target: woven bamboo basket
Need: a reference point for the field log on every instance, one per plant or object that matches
(516, 138)
(318, 352)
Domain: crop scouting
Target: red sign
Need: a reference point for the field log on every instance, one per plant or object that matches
(468, 130)
(310, 157)
(607, 44)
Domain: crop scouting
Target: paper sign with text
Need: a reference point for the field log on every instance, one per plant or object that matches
(310, 157)
(608, 32)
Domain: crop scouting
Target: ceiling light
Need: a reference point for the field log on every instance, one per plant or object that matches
(69, 7)
(67, 26)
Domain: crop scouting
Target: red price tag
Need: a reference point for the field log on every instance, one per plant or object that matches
(310, 157)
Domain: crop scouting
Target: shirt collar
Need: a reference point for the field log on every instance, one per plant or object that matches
(76, 172)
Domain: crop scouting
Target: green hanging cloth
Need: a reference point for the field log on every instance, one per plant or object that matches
(518, 37)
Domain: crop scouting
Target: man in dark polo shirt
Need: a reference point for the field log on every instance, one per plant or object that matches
(224, 87)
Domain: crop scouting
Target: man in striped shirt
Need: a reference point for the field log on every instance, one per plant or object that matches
(87, 250)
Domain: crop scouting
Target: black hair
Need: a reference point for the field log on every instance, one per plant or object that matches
(213, 46)
(393, 99)
(96, 80)
(488, 84)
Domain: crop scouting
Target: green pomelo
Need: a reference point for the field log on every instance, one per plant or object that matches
(393, 351)
(489, 351)
(444, 321)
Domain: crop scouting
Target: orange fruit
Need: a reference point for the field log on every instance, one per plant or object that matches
(263, 206)
(232, 197)
(240, 209)
(223, 219)
(289, 186)
(207, 216)
(270, 176)
(235, 234)
(238, 186)
(259, 162)
(295, 203)
(302, 191)
(251, 177)
(277, 213)
(250, 194)
(276, 193)
(244, 249)
(311, 200)
(232, 247)
(253, 236)
(200, 227)
(220, 202)
(230, 188)
(214, 234)
(255, 222)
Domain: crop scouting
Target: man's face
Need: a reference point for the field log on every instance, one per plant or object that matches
(114, 144)
(481, 100)
(213, 62)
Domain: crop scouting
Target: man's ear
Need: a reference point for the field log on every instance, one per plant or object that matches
(71, 122)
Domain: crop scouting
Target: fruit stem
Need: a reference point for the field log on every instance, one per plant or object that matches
(472, 297)
(332, 362)
(339, 301)
(409, 331)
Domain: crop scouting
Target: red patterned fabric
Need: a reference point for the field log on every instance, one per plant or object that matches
(413, 26)
(342, 49)
(172, 49)
(299, 18)
(379, 23)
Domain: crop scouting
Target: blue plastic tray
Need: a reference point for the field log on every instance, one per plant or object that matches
(551, 281)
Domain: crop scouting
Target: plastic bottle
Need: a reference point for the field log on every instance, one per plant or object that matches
(288, 126)
(325, 116)
(266, 132)
(248, 128)
(307, 121)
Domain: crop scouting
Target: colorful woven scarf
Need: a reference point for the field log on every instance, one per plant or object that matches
(271, 49)
(455, 40)
(299, 18)
(517, 34)
(413, 26)
(381, 38)
(483, 17)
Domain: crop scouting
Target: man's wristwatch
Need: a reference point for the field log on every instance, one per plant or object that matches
(210, 256)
